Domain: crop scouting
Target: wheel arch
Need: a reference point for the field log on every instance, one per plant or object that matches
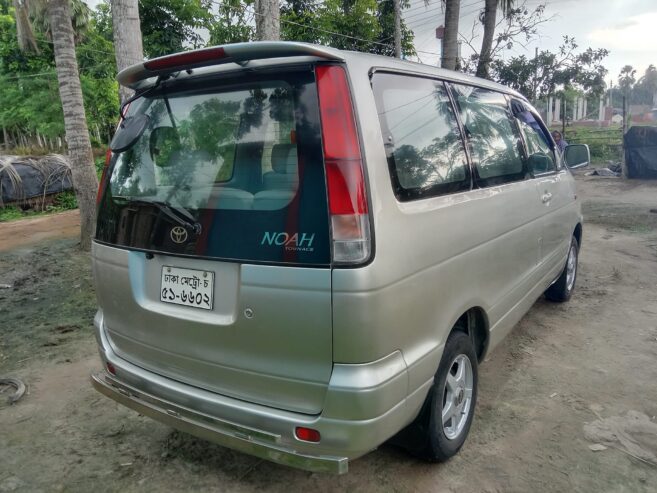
(474, 322)
(577, 233)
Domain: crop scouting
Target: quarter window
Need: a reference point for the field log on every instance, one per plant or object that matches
(492, 136)
(421, 136)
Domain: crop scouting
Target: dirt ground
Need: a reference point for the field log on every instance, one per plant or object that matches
(19, 234)
(569, 377)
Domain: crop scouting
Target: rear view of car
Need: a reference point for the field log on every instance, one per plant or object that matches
(242, 297)
(221, 211)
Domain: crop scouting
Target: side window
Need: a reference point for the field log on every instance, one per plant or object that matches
(540, 158)
(421, 136)
(492, 136)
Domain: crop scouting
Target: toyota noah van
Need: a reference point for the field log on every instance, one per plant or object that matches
(302, 253)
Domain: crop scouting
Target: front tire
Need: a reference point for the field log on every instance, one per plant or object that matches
(444, 423)
(564, 286)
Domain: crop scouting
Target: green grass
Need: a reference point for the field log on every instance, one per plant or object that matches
(63, 201)
(605, 144)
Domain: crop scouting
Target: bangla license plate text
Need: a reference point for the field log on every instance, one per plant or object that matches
(187, 287)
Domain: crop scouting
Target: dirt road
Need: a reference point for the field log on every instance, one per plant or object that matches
(565, 379)
(17, 234)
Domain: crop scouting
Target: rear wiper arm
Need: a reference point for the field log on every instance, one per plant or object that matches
(179, 214)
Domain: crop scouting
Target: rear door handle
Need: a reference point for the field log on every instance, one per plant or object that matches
(546, 197)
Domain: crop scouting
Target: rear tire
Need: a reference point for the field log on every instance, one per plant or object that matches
(453, 394)
(564, 286)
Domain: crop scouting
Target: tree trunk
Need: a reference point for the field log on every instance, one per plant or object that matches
(75, 122)
(268, 20)
(128, 45)
(25, 33)
(490, 20)
(450, 38)
(397, 9)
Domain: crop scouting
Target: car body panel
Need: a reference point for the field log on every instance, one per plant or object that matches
(348, 351)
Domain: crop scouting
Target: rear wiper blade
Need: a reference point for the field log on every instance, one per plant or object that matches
(177, 213)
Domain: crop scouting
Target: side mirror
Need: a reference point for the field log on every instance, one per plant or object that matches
(577, 155)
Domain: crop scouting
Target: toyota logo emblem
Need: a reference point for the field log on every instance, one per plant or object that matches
(178, 234)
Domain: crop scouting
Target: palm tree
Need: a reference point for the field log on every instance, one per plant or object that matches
(649, 81)
(24, 31)
(450, 49)
(489, 20)
(267, 20)
(75, 121)
(128, 45)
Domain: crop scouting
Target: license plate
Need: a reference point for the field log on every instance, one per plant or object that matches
(187, 287)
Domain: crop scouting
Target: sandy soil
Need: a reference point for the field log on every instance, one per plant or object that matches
(17, 234)
(569, 377)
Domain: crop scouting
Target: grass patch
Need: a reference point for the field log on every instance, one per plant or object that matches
(620, 217)
(60, 202)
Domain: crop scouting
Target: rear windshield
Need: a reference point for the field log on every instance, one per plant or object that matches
(224, 169)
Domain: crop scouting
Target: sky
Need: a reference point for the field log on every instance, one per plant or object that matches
(627, 28)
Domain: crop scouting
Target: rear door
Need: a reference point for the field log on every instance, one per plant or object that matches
(212, 253)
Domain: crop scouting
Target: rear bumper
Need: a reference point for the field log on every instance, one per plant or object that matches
(365, 405)
(250, 441)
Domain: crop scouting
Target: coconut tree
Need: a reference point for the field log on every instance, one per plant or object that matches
(450, 44)
(489, 20)
(268, 20)
(128, 44)
(75, 122)
(450, 49)
(649, 81)
(25, 33)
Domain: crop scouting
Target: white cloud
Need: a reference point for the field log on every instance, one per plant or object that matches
(636, 34)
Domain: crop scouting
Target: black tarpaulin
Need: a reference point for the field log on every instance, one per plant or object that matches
(641, 152)
(22, 178)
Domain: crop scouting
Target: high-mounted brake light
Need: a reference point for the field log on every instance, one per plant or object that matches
(344, 167)
(189, 59)
(103, 176)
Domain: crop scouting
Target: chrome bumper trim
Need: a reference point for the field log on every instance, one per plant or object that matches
(248, 440)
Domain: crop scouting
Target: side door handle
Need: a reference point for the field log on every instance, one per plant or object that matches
(546, 197)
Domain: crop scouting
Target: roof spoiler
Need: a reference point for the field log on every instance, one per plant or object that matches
(217, 55)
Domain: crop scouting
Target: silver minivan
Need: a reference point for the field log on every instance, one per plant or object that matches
(303, 252)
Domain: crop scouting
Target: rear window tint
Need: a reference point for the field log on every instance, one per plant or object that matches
(421, 136)
(239, 163)
(493, 138)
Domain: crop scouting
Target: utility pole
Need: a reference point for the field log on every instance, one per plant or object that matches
(535, 74)
(268, 20)
(563, 118)
(397, 6)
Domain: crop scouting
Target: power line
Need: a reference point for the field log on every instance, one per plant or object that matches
(27, 75)
(326, 31)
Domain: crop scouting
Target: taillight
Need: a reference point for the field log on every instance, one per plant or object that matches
(345, 178)
(103, 176)
(307, 434)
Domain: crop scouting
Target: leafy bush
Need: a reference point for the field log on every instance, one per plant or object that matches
(61, 202)
(64, 201)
